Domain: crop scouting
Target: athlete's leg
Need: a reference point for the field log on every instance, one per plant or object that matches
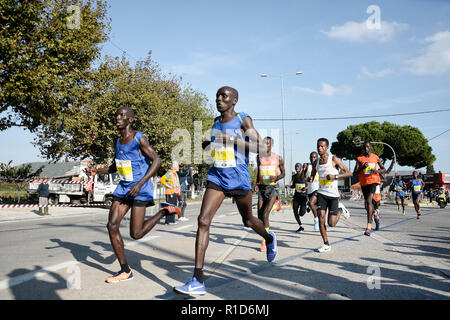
(322, 227)
(264, 211)
(295, 208)
(210, 204)
(313, 205)
(417, 204)
(116, 214)
(334, 212)
(138, 227)
(244, 205)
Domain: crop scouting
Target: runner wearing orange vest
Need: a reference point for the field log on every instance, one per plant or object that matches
(270, 171)
(369, 178)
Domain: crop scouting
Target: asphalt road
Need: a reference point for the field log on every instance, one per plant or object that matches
(67, 255)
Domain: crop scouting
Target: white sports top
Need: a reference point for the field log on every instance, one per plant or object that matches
(312, 186)
(327, 188)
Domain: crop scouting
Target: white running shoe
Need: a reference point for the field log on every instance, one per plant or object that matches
(345, 212)
(324, 248)
(183, 219)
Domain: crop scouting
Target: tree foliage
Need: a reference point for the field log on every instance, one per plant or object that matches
(87, 129)
(410, 145)
(44, 60)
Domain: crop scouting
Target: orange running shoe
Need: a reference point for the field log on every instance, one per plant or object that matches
(263, 246)
(119, 277)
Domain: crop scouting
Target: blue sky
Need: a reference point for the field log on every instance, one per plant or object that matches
(398, 64)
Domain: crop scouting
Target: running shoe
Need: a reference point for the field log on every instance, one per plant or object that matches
(272, 248)
(120, 277)
(183, 219)
(300, 229)
(404, 211)
(316, 225)
(324, 248)
(367, 232)
(192, 287)
(263, 246)
(345, 212)
(377, 224)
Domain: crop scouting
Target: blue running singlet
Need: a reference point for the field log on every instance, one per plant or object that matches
(132, 166)
(399, 188)
(416, 186)
(230, 163)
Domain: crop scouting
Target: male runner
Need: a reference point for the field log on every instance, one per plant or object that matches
(369, 178)
(228, 177)
(135, 162)
(416, 184)
(270, 171)
(312, 188)
(399, 187)
(328, 194)
(300, 200)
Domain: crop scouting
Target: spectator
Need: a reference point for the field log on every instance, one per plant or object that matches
(172, 184)
(185, 181)
(44, 193)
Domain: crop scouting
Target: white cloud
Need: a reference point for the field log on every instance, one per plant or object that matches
(360, 32)
(327, 90)
(435, 58)
(374, 74)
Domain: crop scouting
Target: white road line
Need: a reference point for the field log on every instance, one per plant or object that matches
(6, 284)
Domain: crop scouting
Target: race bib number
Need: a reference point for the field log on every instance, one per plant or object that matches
(416, 188)
(369, 169)
(267, 172)
(124, 170)
(299, 187)
(399, 188)
(325, 183)
(223, 156)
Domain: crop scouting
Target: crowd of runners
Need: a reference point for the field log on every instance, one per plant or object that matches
(233, 137)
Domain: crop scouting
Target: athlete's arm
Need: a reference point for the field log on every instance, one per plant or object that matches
(359, 166)
(282, 171)
(257, 173)
(338, 163)
(256, 143)
(313, 171)
(147, 150)
(381, 166)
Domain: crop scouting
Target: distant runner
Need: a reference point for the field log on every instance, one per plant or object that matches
(416, 184)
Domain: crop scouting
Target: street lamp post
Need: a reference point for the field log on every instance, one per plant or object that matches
(395, 156)
(358, 142)
(281, 76)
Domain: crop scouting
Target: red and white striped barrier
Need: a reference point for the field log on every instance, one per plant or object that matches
(9, 206)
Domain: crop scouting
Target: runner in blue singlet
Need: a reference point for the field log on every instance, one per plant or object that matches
(232, 138)
(416, 185)
(135, 162)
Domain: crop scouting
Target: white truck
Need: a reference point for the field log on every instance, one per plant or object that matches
(99, 190)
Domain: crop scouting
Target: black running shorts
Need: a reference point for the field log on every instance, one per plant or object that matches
(330, 203)
(134, 203)
(238, 193)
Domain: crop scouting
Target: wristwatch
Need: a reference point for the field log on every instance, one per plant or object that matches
(336, 177)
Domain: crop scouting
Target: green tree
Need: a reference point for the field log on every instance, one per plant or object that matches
(18, 175)
(161, 104)
(46, 57)
(410, 145)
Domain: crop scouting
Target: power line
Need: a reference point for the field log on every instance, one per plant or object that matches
(352, 117)
(440, 134)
